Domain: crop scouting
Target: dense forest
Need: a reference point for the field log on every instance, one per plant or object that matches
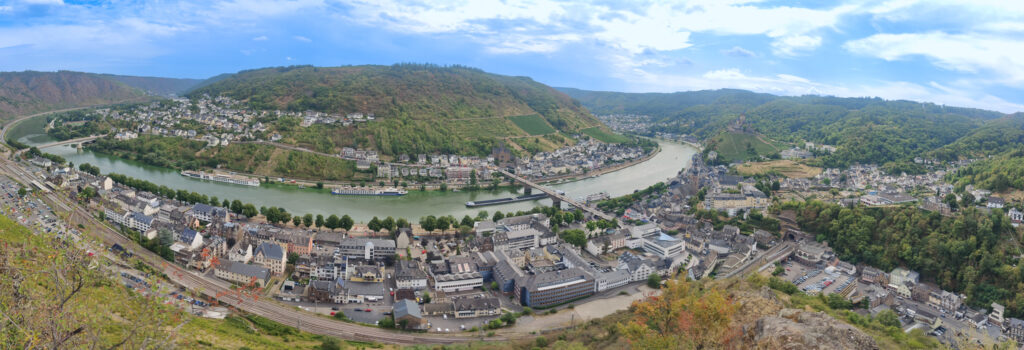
(28, 92)
(999, 173)
(419, 108)
(75, 124)
(865, 130)
(266, 160)
(964, 253)
(166, 87)
(994, 137)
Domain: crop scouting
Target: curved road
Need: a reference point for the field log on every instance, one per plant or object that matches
(216, 288)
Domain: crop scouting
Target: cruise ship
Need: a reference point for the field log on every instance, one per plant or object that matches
(368, 191)
(229, 178)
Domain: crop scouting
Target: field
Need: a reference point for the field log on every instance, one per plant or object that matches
(733, 147)
(604, 136)
(787, 168)
(533, 124)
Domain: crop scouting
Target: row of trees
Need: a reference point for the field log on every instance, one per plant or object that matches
(618, 205)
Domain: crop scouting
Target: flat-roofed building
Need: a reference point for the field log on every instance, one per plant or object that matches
(367, 248)
(555, 287)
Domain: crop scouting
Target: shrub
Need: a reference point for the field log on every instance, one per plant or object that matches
(541, 342)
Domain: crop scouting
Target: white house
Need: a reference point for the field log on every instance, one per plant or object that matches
(638, 268)
(191, 238)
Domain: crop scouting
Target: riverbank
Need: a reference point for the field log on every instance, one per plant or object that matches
(416, 204)
(599, 171)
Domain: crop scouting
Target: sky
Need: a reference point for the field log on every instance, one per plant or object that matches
(957, 53)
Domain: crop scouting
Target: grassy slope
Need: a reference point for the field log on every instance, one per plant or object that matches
(38, 256)
(733, 146)
(533, 124)
(604, 135)
(112, 320)
(787, 168)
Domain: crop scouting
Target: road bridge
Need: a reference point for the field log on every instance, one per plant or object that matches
(65, 142)
(556, 197)
(71, 141)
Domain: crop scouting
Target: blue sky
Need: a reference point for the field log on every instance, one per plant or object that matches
(963, 53)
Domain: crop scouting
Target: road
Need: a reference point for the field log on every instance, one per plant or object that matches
(65, 142)
(213, 288)
(71, 141)
(561, 197)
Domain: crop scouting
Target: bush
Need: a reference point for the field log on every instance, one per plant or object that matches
(509, 319)
(654, 281)
(330, 344)
(527, 311)
(782, 285)
(541, 342)
(386, 322)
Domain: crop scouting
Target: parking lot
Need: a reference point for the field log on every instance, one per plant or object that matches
(815, 281)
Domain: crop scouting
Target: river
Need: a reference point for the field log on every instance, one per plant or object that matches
(672, 158)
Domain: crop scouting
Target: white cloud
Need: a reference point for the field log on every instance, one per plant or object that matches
(971, 53)
(260, 38)
(546, 25)
(795, 44)
(785, 84)
(656, 29)
(288, 58)
(303, 39)
(964, 12)
(737, 51)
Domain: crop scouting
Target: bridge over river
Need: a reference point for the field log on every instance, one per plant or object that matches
(557, 198)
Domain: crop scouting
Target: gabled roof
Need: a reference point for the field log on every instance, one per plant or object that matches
(202, 208)
(270, 250)
(245, 269)
(187, 235)
(143, 218)
(406, 307)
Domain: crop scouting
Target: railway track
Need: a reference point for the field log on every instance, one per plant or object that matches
(274, 311)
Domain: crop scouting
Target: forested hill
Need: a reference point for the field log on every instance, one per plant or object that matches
(658, 104)
(865, 130)
(995, 136)
(165, 87)
(418, 92)
(30, 92)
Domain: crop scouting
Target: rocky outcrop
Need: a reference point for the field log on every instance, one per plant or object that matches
(754, 305)
(798, 329)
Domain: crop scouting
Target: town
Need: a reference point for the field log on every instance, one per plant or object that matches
(222, 121)
(471, 276)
